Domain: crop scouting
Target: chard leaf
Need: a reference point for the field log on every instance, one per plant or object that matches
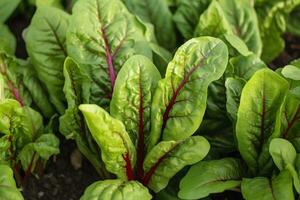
(208, 177)
(284, 156)
(117, 150)
(246, 66)
(291, 110)
(157, 13)
(7, 7)
(279, 187)
(7, 39)
(46, 45)
(43, 147)
(107, 37)
(21, 83)
(180, 98)
(291, 72)
(258, 118)
(230, 18)
(72, 126)
(234, 87)
(187, 15)
(132, 97)
(13, 121)
(116, 190)
(169, 157)
(131, 101)
(8, 188)
(293, 21)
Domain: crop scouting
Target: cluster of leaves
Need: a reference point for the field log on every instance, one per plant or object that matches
(99, 68)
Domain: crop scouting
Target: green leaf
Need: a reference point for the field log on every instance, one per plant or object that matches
(291, 72)
(234, 87)
(7, 7)
(284, 156)
(293, 22)
(107, 36)
(132, 97)
(229, 18)
(187, 15)
(282, 152)
(117, 150)
(243, 21)
(180, 98)
(208, 177)
(279, 187)
(8, 188)
(7, 39)
(169, 157)
(272, 25)
(13, 121)
(258, 118)
(116, 190)
(157, 13)
(246, 66)
(46, 45)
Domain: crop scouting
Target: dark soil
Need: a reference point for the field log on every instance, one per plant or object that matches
(60, 180)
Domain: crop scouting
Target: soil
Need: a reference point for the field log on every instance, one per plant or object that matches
(60, 180)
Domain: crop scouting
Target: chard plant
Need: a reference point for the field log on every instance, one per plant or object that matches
(146, 139)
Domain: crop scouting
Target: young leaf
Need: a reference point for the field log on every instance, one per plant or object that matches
(8, 188)
(207, 177)
(291, 72)
(107, 36)
(180, 98)
(157, 13)
(116, 190)
(169, 157)
(131, 101)
(258, 118)
(46, 45)
(279, 187)
(117, 150)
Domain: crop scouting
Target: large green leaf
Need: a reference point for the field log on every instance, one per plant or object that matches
(279, 187)
(116, 190)
(169, 157)
(8, 188)
(214, 176)
(6, 8)
(107, 36)
(46, 45)
(187, 15)
(7, 39)
(117, 150)
(293, 22)
(180, 97)
(131, 101)
(158, 13)
(258, 118)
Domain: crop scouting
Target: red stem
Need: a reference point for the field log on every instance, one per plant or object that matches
(29, 169)
(141, 142)
(128, 167)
